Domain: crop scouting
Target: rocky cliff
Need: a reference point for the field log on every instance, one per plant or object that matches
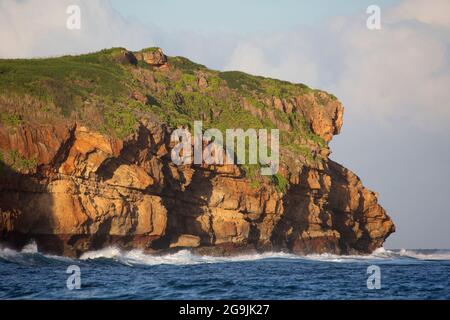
(85, 161)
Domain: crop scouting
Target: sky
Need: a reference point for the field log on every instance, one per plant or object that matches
(394, 82)
(237, 16)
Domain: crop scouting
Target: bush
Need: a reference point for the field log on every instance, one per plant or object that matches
(16, 161)
(185, 64)
(240, 80)
(280, 183)
(10, 119)
(120, 120)
(65, 80)
(252, 172)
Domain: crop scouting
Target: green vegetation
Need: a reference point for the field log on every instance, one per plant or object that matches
(301, 150)
(284, 89)
(308, 134)
(244, 83)
(252, 172)
(16, 161)
(185, 65)
(280, 183)
(241, 81)
(120, 120)
(66, 81)
(10, 119)
(110, 92)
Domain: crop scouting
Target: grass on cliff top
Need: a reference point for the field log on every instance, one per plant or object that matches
(69, 81)
(96, 89)
(185, 65)
(66, 81)
(244, 83)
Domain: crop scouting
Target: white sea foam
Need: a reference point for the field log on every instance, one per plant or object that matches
(182, 257)
(7, 253)
(30, 248)
(433, 255)
(28, 253)
(384, 254)
(185, 257)
(10, 253)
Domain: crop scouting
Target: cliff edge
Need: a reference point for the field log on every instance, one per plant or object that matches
(85, 161)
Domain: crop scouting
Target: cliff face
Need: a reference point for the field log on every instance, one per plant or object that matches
(73, 187)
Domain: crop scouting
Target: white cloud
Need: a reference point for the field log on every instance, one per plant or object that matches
(400, 73)
(435, 12)
(37, 28)
(30, 28)
(267, 56)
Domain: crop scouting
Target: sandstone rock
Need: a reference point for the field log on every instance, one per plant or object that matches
(202, 82)
(229, 226)
(278, 104)
(326, 120)
(89, 190)
(186, 241)
(152, 216)
(153, 57)
(289, 106)
(131, 176)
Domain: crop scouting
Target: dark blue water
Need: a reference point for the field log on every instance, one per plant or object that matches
(111, 274)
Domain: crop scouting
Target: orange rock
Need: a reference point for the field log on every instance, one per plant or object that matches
(90, 190)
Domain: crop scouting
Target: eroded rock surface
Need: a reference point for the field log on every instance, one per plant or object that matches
(91, 191)
(73, 187)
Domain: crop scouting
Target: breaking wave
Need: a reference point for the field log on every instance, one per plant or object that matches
(183, 257)
(425, 254)
(30, 255)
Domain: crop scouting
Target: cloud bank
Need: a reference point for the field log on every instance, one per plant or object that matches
(37, 28)
(400, 73)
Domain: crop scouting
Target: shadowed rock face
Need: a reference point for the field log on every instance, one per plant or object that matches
(87, 190)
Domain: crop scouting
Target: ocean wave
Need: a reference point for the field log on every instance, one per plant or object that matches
(385, 254)
(30, 255)
(183, 257)
(30, 248)
(425, 254)
(378, 254)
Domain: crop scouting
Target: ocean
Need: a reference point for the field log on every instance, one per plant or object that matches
(112, 274)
